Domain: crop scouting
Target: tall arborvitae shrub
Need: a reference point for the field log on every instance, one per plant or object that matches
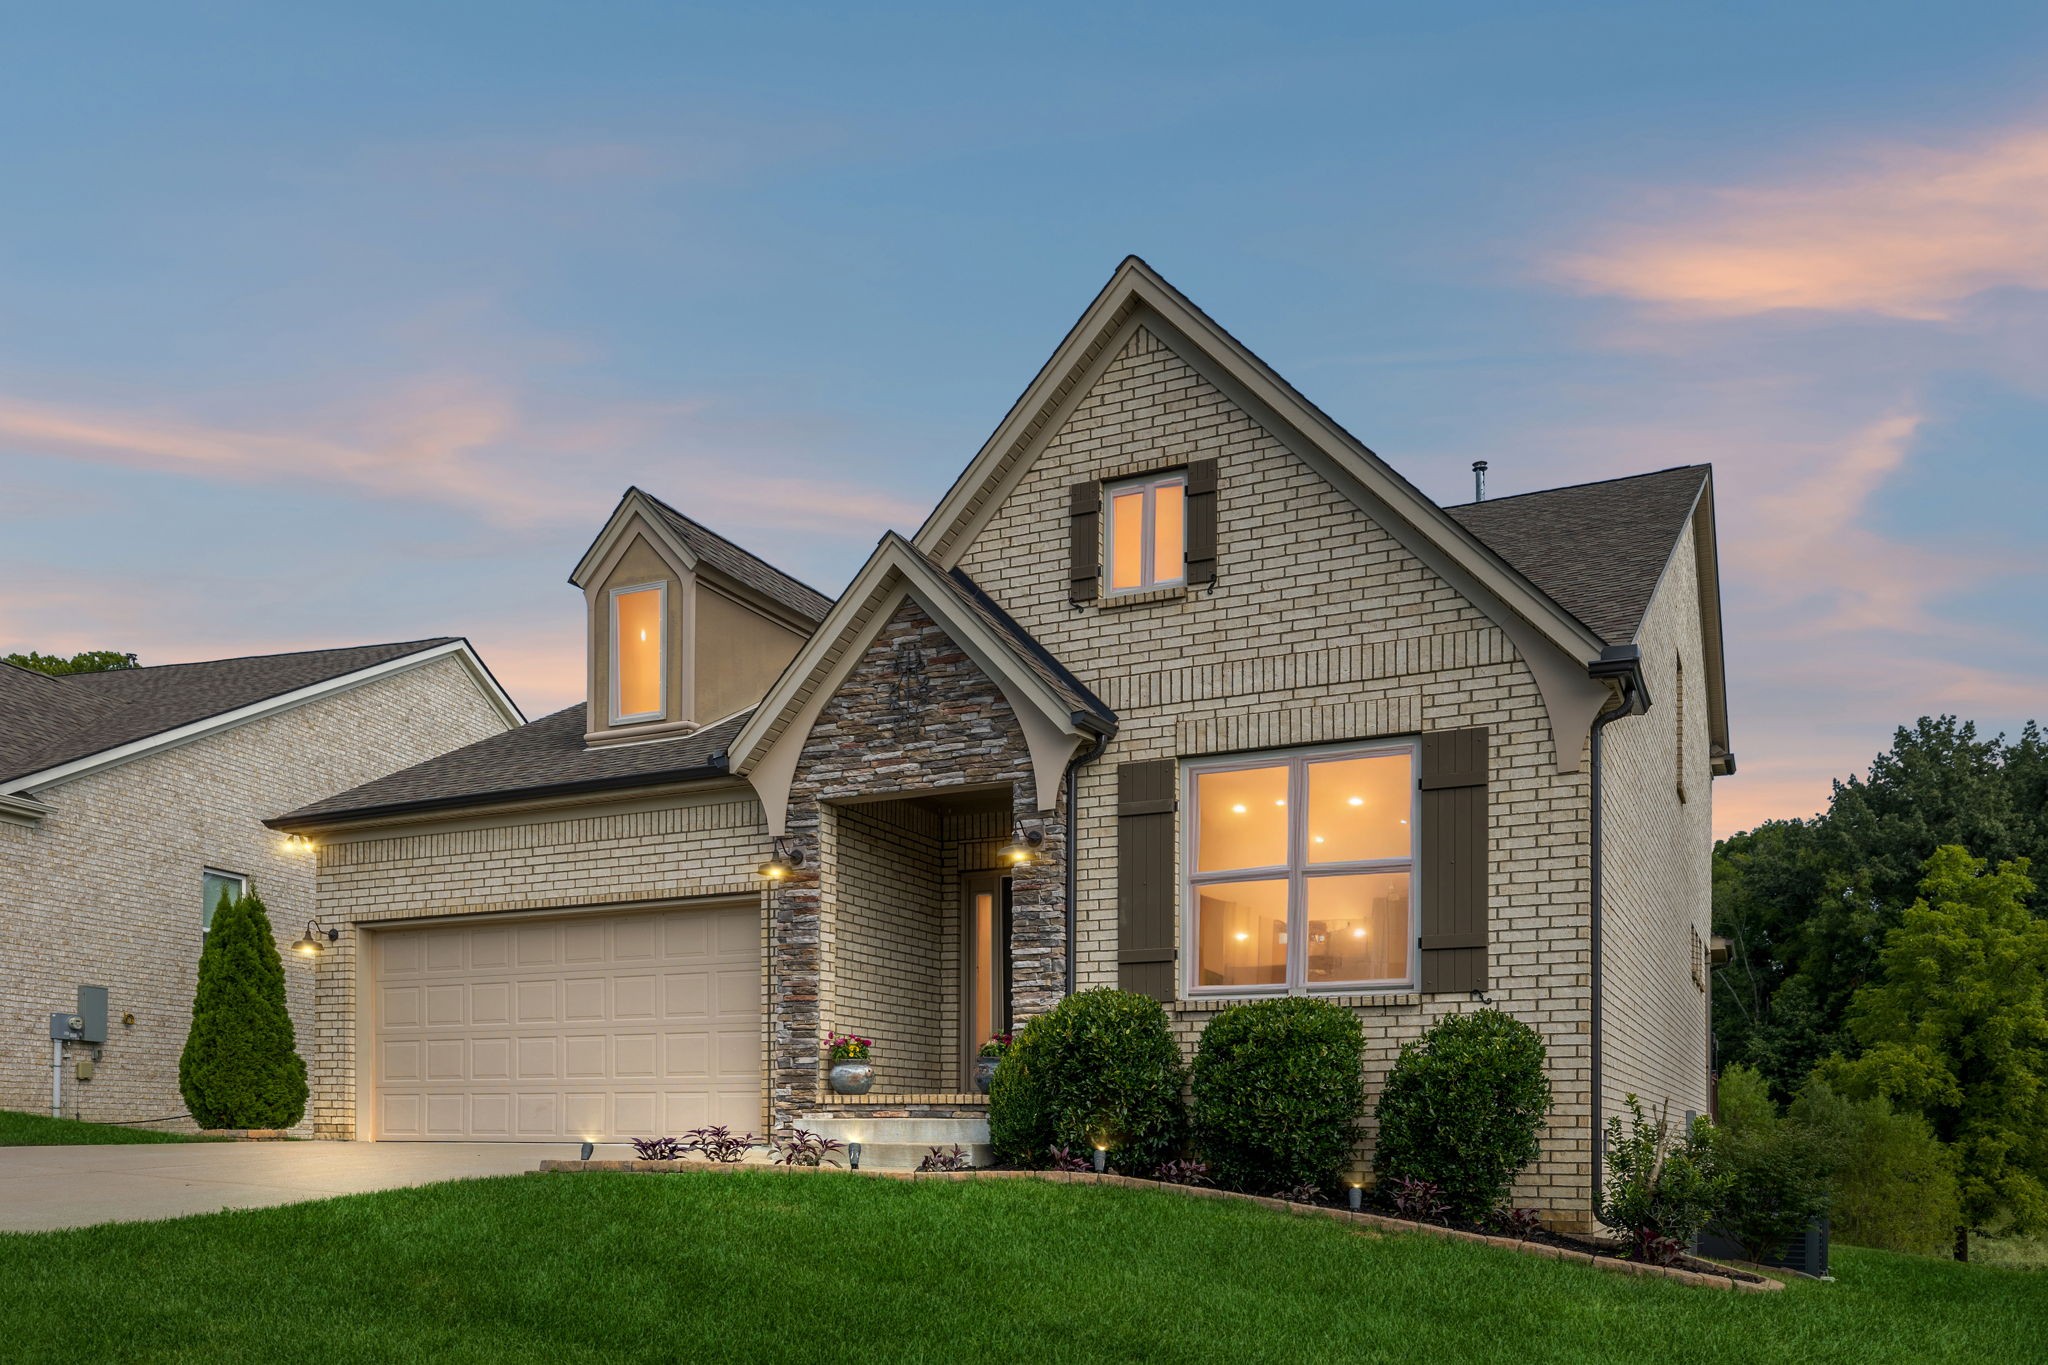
(240, 1067)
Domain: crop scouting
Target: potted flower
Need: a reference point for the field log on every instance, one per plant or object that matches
(986, 1061)
(853, 1073)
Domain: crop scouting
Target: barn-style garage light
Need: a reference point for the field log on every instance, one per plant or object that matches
(782, 863)
(1021, 851)
(310, 945)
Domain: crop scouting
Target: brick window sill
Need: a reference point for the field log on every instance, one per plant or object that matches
(1111, 602)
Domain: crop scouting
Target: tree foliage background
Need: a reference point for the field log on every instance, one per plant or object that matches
(90, 661)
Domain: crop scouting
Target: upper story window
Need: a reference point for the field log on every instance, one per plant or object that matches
(1147, 532)
(639, 681)
(214, 884)
(1301, 872)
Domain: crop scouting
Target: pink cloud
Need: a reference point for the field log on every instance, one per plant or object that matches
(1909, 232)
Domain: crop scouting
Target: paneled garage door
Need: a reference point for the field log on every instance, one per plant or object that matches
(599, 1026)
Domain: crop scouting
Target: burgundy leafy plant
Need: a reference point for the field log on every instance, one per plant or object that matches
(1520, 1224)
(1065, 1159)
(805, 1148)
(1420, 1200)
(1307, 1192)
(938, 1159)
(1178, 1172)
(1653, 1248)
(657, 1149)
(719, 1143)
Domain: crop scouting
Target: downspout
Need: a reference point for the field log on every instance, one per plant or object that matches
(1074, 766)
(1621, 666)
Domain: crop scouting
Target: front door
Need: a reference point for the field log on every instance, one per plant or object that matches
(985, 943)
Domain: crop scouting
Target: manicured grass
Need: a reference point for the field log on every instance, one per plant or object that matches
(40, 1130)
(759, 1265)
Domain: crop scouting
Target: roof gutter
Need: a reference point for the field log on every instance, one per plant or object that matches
(21, 810)
(1073, 856)
(1621, 667)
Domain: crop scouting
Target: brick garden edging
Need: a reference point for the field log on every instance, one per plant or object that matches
(1375, 1221)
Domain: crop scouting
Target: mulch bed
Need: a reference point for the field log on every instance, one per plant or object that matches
(1556, 1245)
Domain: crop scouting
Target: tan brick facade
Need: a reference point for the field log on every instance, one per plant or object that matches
(105, 890)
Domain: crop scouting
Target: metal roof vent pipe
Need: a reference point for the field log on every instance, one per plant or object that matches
(1479, 481)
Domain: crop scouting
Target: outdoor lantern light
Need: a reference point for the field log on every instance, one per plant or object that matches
(310, 945)
(1022, 850)
(782, 863)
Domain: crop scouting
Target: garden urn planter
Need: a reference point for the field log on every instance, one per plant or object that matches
(985, 1072)
(852, 1078)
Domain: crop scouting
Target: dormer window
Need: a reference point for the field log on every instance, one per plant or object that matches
(1147, 532)
(639, 679)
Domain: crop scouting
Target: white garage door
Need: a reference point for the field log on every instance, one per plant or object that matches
(604, 1027)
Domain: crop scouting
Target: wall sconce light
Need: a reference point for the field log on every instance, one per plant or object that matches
(1023, 850)
(783, 862)
(298, 843)
(310, 945)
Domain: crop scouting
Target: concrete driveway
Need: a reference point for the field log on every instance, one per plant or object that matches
(69, 1187)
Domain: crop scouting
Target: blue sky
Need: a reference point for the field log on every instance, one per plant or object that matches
(330, 327)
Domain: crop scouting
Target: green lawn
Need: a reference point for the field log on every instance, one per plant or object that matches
(765, 1266)
(40, 1130)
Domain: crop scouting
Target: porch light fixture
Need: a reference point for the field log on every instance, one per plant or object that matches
(310, 945)
(1021, 851)
(782, 863)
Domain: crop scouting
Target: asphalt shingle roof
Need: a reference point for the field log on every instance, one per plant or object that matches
(1037, 657)
(545, 756)
(45, 721)
(742, 565)
(1596, 549)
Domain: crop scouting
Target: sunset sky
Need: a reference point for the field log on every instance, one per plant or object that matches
(323, 330)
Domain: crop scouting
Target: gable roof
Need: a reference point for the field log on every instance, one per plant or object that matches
(702, 545)
(85, 715)
(544, 758)
(1055, 710)
(1596, 549)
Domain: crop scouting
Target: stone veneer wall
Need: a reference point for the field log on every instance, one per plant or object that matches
(105, 890)
(1320, 628)
(694, 845)
(1657, 868)
(915, 715)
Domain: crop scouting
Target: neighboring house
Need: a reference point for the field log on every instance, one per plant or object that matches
(130, 799)
(1300, 729)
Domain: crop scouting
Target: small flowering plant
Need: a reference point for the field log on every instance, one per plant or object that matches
(996, 1046)
(848, 1047)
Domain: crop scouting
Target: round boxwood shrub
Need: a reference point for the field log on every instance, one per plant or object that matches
(1100, 1067)
(1278, 1093)
(241, 1067)
(1462, 1109)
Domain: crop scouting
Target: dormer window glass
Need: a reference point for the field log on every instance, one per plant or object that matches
(639, 680)
(1148, 532)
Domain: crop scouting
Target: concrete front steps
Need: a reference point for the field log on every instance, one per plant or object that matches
(902, 1134)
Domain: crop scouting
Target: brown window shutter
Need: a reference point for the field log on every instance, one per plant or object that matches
(1084, 540)
(1454, 860)
(1146, 877)
(1201, 529)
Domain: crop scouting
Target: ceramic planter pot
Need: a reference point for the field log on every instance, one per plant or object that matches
(985, 1072)
(852, 1078)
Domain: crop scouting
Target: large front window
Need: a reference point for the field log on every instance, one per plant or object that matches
(1148, 539)
(1301, 871)
(637, 652)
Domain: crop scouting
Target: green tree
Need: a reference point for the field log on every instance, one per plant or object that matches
(1777, 1169)
(1956, 1030)
(241, 1067)
(1766, 884)
(91, 661)
(1894, 1184)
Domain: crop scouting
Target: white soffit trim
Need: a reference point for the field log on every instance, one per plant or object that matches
(1137, 294)
(507, 710)
(21, 810)
(768, 746)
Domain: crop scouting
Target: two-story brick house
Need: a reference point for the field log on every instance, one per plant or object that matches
(1180, 689)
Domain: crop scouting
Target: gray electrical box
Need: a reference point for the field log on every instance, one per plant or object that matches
(68, 1027)
(92, 1009)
